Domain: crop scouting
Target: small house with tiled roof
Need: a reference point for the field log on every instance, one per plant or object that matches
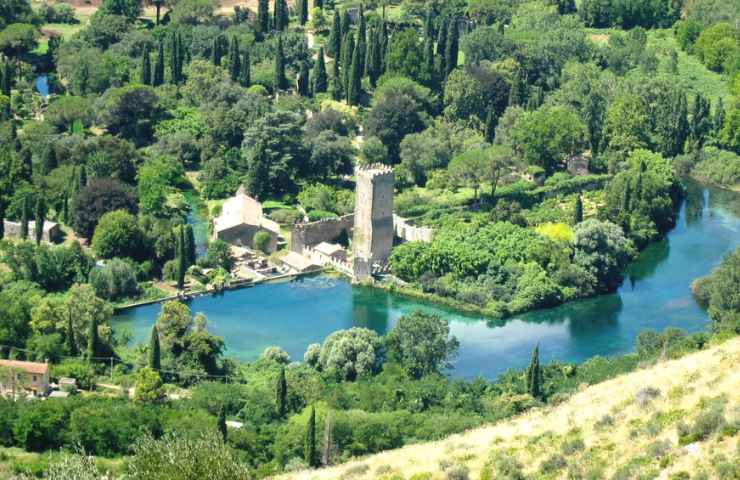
(16, 376)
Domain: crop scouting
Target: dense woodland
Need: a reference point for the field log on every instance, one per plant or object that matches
(544, 142)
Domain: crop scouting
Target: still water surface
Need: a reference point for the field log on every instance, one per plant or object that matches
(656, 294)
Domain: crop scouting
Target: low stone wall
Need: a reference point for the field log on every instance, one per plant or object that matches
(311, 234)
(52, 232)
(411, 233)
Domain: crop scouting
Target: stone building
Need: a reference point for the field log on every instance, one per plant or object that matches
(52, 232)
(241, 218)
(373, 226)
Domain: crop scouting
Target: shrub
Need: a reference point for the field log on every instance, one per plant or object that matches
(646, 395)
(115, 280)
(458, 472)
(709, 420)
(553, 464)
(572, 445)
(262, 241)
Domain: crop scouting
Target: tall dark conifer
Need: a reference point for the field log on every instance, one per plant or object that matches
(182, 263)
(718, 119)
(145, 76)
(70, 336)
(302, 11)
(158, 78)
(361, 44)
(155, 354)
(281, 395)
(279, 81)
(310, 453)
(491, 124)
(335, 37)
(354, 82)
(701, 122)
(263, 16)
(319, 80)
(578, 212)
(429, 24)
(517, 91)
(189, 245)
(2, 219)
(216, 51)
(346, 23)
(40, 218)
(336, 80)
(92, 339)
(7, 80)
(348, 50)
(281, 18)
(304, 87)
(451, 49)
(174, 59)
(442, 45)
(221, 423)
(245, 73)
(429, 69)
(534, 375)
(25, 215)
(234, 59)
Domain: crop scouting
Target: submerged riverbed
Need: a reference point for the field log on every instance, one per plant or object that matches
(656, 294)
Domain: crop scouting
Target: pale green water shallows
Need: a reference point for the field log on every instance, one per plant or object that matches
(655, 295)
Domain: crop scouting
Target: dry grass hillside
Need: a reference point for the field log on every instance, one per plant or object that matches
(676, 420)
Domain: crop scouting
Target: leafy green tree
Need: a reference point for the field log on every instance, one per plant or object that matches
(319, 79)
(421, 344)
(310, 453)
(262, 241)
(547, 136)
(534, 375)
(18, 39)
(281, 393)
(130, 112)
(351, 354)
(724, 284)
(130, 9)
(117, 234)
(603, 251)
(404, 58)
(148, 388)
(218, 254)
(470, 169)
(155, 356)
(115, 280)
(98, 198)
(392, 117)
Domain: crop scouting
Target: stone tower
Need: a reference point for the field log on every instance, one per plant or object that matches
(373, 231)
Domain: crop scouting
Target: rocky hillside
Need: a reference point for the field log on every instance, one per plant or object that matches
(676, 420)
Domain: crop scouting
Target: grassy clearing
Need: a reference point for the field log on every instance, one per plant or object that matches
(677, 416)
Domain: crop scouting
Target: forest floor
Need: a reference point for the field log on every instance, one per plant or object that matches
(628, 427)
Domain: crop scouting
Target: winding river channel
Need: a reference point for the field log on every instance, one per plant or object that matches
(656, 294)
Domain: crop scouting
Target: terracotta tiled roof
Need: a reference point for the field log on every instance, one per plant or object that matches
(28, 367)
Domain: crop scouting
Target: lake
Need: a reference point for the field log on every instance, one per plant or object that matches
(656, 294)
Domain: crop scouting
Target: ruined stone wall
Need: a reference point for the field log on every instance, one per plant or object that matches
(311, 234)
(411, 233)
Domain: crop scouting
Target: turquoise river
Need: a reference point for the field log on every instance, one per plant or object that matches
(656, 294)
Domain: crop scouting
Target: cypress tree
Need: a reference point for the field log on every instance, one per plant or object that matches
(336, 81)
(65, 208)
(491, 124)
(92, 339)
(40, 217)
(310, 452)
(26, 159)
(375, 64)
(354, 86)
(638, 186)
(189, 245)
(174, 54)
(451, 49)
(2, 219)
(24, 218)
(279, 77)
(82, 178)
(263, 16)
(627, 199)
(516, 93)
(319, 80)
(719, 118)
(700, 122)
(281, 15)
(234, 59)
(318, 4)
(429, 61)
(216, 51)
(536, 98)
(49, 162)
(348, 50)
(303, 85)
(71, 344)
(146, 68)
(181, 258)
(384, 44)
(281, 394)
(429, 24)
(158, 78)
(303, 11)
(155, 354)
(221, 422)
(362, 40)
(346, 23)
(578, 214)
(245, 73)
(7, 84)
(441, 46)
(534, 375)
(335, 37)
